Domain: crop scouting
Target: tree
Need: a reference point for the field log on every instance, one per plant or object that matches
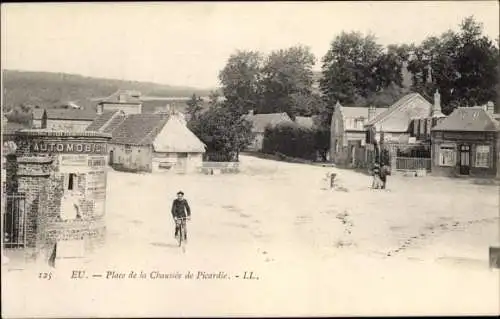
(224, 133)
(287, 79)
(194, 106)
(388, 67)
(348, 68)
(240, 81)
(214, 99)
(20, 114)
(463, 65)
(476, 63)
(387, 96)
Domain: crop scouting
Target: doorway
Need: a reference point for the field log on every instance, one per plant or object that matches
(182, 159)
(464, 159)
(353, 155)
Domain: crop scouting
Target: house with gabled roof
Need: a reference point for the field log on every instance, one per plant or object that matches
(128, 101)
(348, 133)
(107, 121)
(151, 142)
(467, 143)
(63, 119)
(259, 124)
(396, 120)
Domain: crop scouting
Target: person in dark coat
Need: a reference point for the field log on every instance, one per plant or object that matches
(180, 209)
(383, 176)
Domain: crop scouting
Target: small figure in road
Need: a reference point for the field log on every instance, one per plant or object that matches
(180, 210)
(377, 180)
(384, 172)
(332, 180)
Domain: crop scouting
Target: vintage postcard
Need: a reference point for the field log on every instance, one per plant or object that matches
(250, 159)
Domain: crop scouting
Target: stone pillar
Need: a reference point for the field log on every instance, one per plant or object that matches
(63, 176)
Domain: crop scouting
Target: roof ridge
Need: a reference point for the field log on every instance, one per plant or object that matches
(161, 123)
(105, 125)
(391, 109)
(490, 116)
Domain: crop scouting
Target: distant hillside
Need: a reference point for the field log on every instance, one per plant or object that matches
(48, 89)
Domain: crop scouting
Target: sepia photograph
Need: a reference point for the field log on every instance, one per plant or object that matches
(250, 159)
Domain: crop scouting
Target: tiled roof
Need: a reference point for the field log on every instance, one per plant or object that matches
(398, 117)
(138, 129)
(117, 119)
(71, 114)
(358, 112)
(261, 121)
(128, 97)
(100, 121)
(37, 113)
(471, 119)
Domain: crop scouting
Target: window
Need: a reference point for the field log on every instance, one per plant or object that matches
(359, 123)
(482, 156)
(447, 155)
(421, 131)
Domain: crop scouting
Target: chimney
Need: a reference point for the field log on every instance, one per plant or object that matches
(490, 107)
(371, 112)
(436, 109)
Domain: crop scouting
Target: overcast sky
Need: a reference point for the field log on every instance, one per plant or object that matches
(188, 43)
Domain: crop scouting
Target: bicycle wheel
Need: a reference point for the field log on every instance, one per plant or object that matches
(181, 234)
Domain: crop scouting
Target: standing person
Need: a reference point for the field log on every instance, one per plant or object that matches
(385, 169)
(384, 172)
(376, 176)
(180, 209)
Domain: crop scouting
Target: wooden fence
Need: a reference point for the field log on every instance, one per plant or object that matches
(413, 163)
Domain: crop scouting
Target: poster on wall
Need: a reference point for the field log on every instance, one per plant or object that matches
(96, 190)
(70, 163)
(97, 162)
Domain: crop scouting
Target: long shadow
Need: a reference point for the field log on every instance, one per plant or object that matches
(165, 245)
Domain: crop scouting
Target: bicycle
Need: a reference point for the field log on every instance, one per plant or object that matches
(181, 224)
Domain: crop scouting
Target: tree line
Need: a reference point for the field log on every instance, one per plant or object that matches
(356, 71)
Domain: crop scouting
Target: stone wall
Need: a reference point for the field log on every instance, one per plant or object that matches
(131, 158)
(63, 177)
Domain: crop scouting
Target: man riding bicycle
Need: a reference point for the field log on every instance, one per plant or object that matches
(180, 210)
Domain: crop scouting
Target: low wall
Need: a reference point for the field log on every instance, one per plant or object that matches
(213, 168)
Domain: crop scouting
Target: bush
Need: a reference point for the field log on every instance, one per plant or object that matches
(291, 140)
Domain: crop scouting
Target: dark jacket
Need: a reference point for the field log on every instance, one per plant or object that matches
(180, 208)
